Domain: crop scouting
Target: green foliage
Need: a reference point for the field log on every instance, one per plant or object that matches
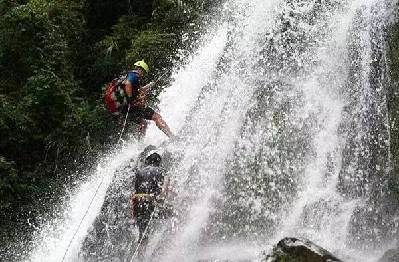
(169, 14)
(47, 102)
(111, 51)
(101, 15)
(39, 95)
(8, 176)
(154, 47)
(54, 57)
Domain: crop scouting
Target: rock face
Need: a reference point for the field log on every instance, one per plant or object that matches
(113, 231)
(391, 255)
(299, 250)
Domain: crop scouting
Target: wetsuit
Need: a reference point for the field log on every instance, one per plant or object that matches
(138, 112)
(148, 186)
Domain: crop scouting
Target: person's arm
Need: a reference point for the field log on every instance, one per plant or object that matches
(137, 181)
(133, 202)
(132, 199)
(165, 184)
(141, 98)
(165, 188)
(145, 89)
(129, 91)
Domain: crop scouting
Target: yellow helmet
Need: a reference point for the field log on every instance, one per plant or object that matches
(143, 65)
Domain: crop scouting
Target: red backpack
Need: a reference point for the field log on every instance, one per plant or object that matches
(115, 97)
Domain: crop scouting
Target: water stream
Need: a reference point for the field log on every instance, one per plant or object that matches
(282, 131)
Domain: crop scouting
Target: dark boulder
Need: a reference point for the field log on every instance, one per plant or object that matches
(391, 255)
(299, 250)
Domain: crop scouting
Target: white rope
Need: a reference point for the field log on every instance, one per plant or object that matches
(81, 221)
(143, 236)
(124, 123)
(94, 196)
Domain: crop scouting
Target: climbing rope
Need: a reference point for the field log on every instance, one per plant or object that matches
(136, 252)
(81, 221)
(124, 123)
(98, 188)
(94, 196)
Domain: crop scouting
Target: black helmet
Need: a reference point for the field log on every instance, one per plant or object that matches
(153, 158)
(143, 155)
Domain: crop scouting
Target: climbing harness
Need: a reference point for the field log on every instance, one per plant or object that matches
(140, 195)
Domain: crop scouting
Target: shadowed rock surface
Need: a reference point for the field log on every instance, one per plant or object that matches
(299, 250)
(391, 255)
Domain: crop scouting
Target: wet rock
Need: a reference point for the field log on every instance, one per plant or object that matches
(299, 250)
(391, 255)
(113, 231)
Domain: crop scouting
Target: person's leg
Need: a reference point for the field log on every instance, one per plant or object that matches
(144, 217)
(142, 223)
(161, 124)
(149, 114)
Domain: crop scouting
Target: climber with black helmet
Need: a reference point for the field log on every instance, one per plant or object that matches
(136, 94)
(151, 188)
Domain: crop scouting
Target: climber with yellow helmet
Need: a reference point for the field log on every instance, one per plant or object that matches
(136, 94)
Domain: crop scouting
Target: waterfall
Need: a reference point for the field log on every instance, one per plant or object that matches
(282, 130)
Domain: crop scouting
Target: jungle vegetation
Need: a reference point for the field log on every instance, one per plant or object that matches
(55, 57)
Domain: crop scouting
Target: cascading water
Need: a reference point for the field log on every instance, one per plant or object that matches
(282, 131)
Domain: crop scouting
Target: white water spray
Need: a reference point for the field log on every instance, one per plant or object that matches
(53, 240)
(262, 114)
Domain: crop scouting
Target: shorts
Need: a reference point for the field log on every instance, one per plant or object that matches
(136, 114)
(142, 112)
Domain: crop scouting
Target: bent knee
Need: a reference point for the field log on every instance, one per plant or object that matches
(156, 117)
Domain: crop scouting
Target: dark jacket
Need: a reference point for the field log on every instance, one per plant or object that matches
(149, 180)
